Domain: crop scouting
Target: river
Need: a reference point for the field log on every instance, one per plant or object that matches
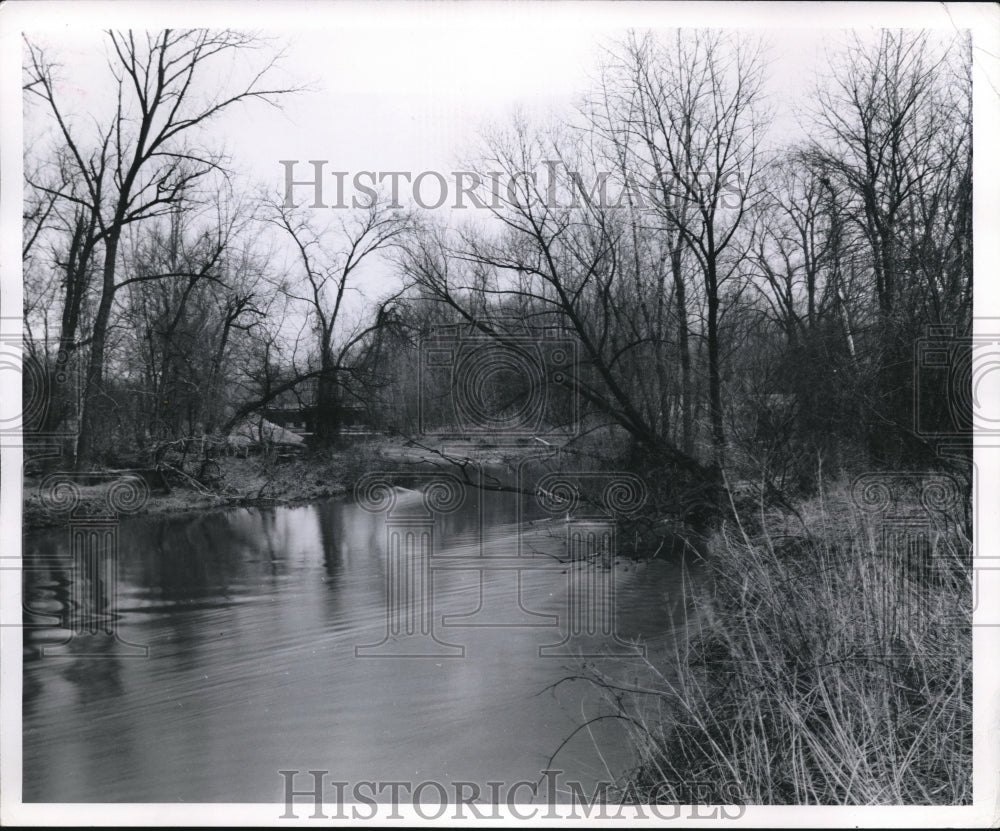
(253, 640)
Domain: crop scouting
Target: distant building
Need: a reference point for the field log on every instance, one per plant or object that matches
(301, 418)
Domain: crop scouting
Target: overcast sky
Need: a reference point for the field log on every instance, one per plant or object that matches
(409, 87)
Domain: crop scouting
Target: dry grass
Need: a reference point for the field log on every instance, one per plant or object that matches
(818, 667)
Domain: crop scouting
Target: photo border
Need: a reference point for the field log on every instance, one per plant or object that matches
(983, 18)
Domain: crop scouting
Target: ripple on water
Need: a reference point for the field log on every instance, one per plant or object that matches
(252, 618)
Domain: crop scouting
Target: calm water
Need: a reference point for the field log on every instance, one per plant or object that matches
(252, 619)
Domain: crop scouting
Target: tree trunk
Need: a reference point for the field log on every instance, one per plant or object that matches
(714, 370)
(683, 337)
(327, 429)
(86, 448)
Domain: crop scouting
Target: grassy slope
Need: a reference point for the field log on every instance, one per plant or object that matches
(813, 671)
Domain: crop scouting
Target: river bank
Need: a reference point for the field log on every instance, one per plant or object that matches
(828, 660)
(267, 480)
(808, 649)
(232, 481)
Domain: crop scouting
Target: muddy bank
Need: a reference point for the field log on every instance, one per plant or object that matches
(230, 482)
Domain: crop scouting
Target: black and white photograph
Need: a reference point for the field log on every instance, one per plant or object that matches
(558, 413)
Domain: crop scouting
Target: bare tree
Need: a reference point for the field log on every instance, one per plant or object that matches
(690, 110)
(792, 248)
(894, 146)
(182, 326)
(876, 118)
(549, 264)
(325, 280)
(137, 164)
(59, 254)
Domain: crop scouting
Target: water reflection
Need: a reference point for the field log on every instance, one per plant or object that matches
(252, 617)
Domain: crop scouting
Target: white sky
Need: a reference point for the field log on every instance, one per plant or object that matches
(409, 87)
